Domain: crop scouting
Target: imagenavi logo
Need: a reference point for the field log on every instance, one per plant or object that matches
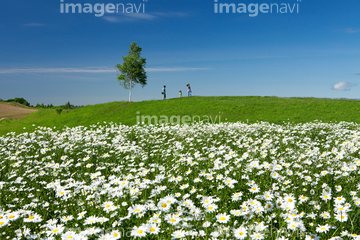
(100, 9)
(253, 9)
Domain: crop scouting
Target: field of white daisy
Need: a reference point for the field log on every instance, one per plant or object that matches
(204, 181)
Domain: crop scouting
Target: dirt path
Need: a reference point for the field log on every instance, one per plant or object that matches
(14, 112)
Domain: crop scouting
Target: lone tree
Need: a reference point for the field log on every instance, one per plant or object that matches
(132, 70)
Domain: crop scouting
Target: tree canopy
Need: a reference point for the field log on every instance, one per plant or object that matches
(132, 70)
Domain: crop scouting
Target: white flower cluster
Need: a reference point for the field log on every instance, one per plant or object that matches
(205, 181)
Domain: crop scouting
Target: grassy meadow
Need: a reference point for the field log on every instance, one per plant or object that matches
(267, 171)
(229, 109)
(206, 181)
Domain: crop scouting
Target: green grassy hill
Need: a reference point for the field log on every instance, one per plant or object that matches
(224, 109)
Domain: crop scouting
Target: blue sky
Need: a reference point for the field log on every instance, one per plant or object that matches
(51, 57)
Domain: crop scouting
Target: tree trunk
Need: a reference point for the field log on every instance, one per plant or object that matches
(130, 91)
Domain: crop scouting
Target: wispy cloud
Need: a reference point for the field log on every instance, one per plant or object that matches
(54, 70)
(33, 24)
(358, 74)
(89, 70)
(171, 14)
(349, 30)
(132, 17)
(343, 86)
(174, 69)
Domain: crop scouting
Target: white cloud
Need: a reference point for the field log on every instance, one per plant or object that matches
(171, 14)
(131, 17)
(343, 86)
(89, 70)
(352, 30)
(54, 70)
(174, 69)
(349, 30)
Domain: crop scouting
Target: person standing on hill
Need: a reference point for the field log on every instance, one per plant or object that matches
(180, 94)
(188, 89)
(163, 92)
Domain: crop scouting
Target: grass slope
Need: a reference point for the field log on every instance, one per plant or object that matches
(228, 109)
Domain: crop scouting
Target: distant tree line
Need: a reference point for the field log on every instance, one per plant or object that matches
(22, 101)
(18, 100)
(67, 106)
(44, 106)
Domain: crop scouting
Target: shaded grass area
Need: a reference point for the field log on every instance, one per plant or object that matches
(225, 109)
